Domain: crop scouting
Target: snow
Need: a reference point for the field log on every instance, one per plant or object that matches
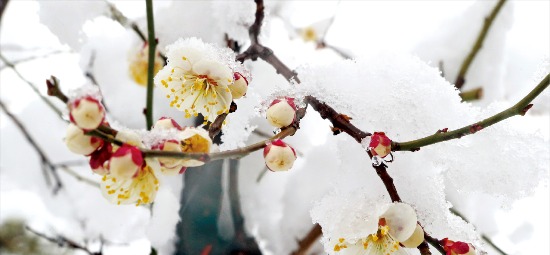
(66, 18)
(497, 178)
(162, 226)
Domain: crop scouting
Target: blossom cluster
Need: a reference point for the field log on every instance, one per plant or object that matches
(197, 80)
(129, 177)
(395, 231)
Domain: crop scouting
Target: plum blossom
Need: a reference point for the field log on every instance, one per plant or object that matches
(196, 78)
(130, 178)
(170, 166)
(138, 64)
(194, 140)
(396, 225)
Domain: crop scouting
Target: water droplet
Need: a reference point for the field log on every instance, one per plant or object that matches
(376, 161)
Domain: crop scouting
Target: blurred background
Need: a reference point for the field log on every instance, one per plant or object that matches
(49, 197)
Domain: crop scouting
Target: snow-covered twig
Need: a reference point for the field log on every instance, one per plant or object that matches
(520, 108)
(461, 77)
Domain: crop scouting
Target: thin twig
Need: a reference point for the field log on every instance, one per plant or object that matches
(308, 241)
(151, 65)
(62, 241)
(89, 73)
(216, 127)
(118, 16)
(461, 77)
(33, 87)
(78, 177)
(471, 95)
(35, 57)
(254, 30)
(46, 162)
(262, 174)
(3, 5)
(483, 236)
(434, 242)
(520, 108)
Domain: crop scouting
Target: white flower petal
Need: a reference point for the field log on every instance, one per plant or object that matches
(401, 219)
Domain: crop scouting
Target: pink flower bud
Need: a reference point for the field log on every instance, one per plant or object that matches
(80, 143)
(100, 158)
(279, 156)
(171, 166)
(282, 112)
(166, 123)
(239, 86)
(457, 247)
(87, 113)
(380, 144)
(126, 162)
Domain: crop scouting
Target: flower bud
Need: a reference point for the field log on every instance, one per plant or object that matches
(139, 64)
(457, 248)
(281, 113)
(87, 113)
(165, 123)
(170, 166)
(126, 162)
(279, 156)
(239, 86)
(80, 143)
(380, 144)
(415, 239)
(99, 159)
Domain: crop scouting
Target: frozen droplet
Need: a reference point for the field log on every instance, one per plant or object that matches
(365, 142)
(376, 161)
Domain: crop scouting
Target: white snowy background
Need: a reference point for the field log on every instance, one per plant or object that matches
(497, 178)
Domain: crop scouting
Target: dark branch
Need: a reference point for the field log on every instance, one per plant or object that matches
(309, 240)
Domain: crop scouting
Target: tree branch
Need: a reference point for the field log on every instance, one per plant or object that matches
(33, 87)
(309, 240)
(118, 16)
(151, 64)
(207, 157)
(254, 30)
(62, 241)
(471, 95)
(520, 108)
(46, 163)
(483, 236)
(461, 78)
